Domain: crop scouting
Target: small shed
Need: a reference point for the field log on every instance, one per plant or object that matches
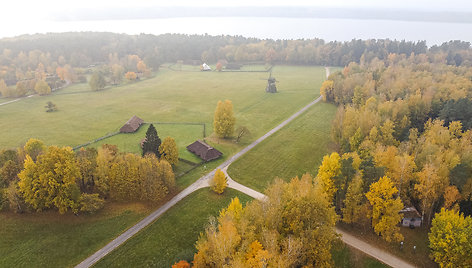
(204, 151)
(132, 125)
(411, 217)
(205, 67)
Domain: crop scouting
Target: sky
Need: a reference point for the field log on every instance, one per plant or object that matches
(23, 16)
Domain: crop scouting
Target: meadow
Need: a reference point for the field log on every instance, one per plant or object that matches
(171, 96)
(48, 239)
(296, 149)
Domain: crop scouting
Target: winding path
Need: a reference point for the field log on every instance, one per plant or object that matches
(204, 182)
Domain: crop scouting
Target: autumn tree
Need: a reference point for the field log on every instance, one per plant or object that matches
(168, 151)
(181, 264)
(219, 182)
(449, 239)
(117, 72)
(97, 81)
(224, 120)
(34, 148)
(219, 67)
(87, 163)
(131, 76)
(4, 90)
(430, 188)
(152, 142)
(326, 90)
(354, 205)
(328, 170)
(51, 180)
(106, 156)
(141, 66)
(42, 88)
(9, 172)
(385, 209)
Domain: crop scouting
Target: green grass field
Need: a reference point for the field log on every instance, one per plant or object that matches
(295, 150)
(51, 240)
(168, 97)
(172, 237)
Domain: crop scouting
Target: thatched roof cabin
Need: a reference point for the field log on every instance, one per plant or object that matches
(204, 151)
(132, 125)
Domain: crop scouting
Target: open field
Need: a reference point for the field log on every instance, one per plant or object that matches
(172, 237)
(168, 97)
(48, 239)
(294, 150)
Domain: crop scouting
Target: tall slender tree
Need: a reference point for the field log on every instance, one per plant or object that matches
(152, 142)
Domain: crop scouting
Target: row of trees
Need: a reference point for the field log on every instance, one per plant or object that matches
(37, 177)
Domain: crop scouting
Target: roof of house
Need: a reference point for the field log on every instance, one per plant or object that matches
(132, 125)
(410, 212)
(204, 151)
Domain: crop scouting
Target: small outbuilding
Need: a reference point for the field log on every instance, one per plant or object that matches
(205, 67)
(204, 151)
(132, 125)
(411, 217)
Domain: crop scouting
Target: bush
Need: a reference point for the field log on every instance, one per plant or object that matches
(90, 203)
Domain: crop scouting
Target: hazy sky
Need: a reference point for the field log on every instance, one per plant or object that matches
(21, 16)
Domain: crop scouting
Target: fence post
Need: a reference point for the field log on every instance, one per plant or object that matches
(204, 130)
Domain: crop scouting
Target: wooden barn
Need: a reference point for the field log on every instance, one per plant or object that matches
(132, 125)
(411, 217)
(204, 151)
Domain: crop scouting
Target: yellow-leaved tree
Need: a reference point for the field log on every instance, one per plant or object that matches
(51, 180)
(329, 168)
(326, 90)
(42, 88)
(224, 120)
(450, 239)
(353, 210)
(168, 151)
(385, 209)
(219, 182)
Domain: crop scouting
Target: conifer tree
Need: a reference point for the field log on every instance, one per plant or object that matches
(152, 142)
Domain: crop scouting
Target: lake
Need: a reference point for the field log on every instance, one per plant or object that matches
(274, 28)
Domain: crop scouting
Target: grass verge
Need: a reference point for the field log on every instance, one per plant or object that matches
(294, 150)
(48, 239)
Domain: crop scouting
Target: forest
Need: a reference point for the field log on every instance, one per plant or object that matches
(68, 57)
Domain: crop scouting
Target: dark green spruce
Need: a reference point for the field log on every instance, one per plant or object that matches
(152, 142)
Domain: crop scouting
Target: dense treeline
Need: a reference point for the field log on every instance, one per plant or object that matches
(37, 177)
(57, 58)
(403, 128)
